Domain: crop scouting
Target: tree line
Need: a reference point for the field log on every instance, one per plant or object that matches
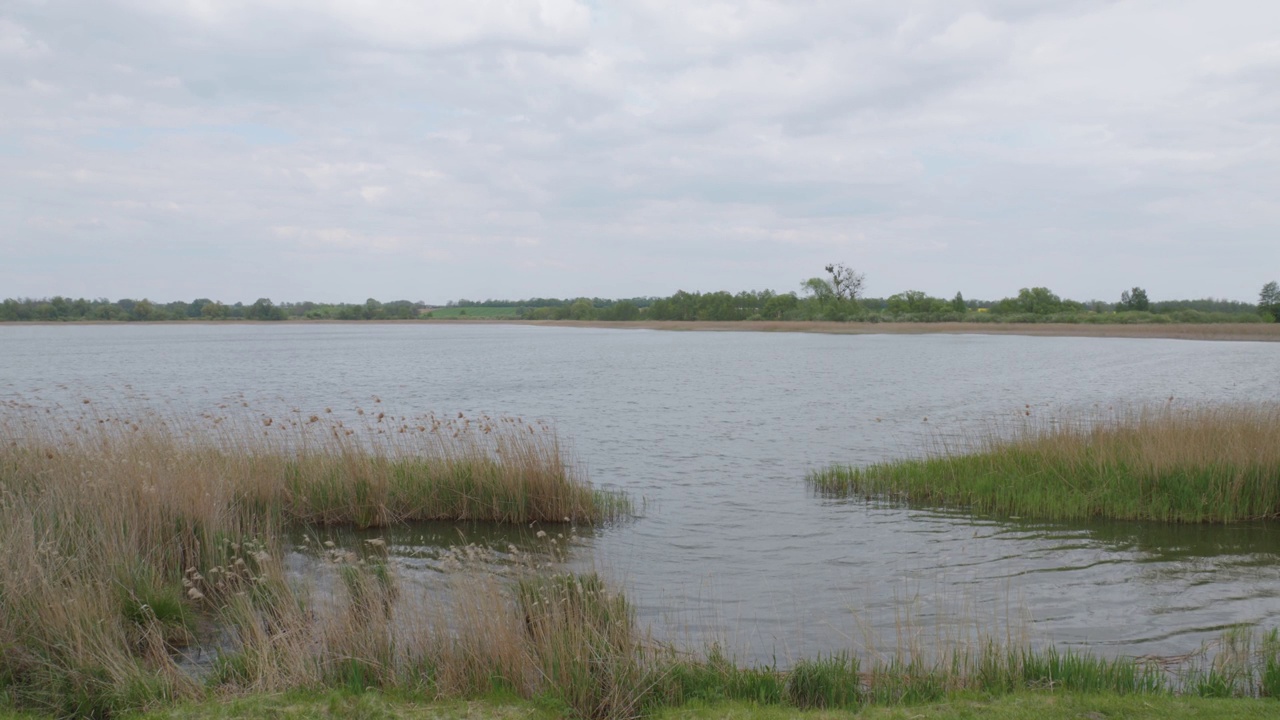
(59, 308)
(837, 296)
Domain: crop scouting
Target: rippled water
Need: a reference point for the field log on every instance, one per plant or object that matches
(715, 431)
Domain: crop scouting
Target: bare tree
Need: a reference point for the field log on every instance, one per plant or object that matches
(846, 284)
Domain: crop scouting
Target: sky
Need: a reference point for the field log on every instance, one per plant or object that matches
(337, 150)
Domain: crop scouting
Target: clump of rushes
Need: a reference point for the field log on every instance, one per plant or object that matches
(1174, 464)
(585, 644)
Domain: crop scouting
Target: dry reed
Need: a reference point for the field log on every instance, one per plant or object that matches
(122, 540)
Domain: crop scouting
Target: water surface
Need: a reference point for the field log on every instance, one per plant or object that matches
(715, 431)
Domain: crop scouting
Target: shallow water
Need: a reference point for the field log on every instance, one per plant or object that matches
(715, 431)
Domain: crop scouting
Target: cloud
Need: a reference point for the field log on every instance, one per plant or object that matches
(16, 40)
(497, 148)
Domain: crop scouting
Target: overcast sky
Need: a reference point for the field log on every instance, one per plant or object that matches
(336, 150)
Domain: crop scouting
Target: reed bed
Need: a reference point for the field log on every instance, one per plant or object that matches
(569, 641)
(306, 470)
(123, 540)
(1171, 464)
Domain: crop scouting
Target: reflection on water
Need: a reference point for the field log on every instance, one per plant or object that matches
(714, 432)
(1161, 542)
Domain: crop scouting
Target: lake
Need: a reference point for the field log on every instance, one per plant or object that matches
(712, 434)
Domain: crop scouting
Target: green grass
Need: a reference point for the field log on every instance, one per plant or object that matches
(363, 706)
(1200, 464)
(1019, 706)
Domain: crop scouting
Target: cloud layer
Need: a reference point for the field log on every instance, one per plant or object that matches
(342, 149)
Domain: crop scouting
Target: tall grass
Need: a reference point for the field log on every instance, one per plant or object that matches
(1174, 464)
(1241, 664)
(123, 540)
(585, 643)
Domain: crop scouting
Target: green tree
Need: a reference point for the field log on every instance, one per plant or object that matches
(681, 306)
(818, 289)
(914, 302)
(399, 310)
(718, 306)
(836, 297)
(109, 311)
(1135, 299)
(958, 304)
(581, 309)
(263, 309)
(1269, 300)
(144, 310)
(778, 307)
(1032, 301)
(214, 311)
(623, 310)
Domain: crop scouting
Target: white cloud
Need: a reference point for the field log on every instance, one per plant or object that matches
(371, 193)
(16, 40)
(503, 148)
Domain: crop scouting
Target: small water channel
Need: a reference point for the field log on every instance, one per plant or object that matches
(712, 434)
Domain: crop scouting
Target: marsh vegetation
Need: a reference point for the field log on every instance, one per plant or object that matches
(1188, 464)
(127, 542)
(123, 540)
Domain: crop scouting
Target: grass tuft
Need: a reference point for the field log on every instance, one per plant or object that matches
(1170, 464)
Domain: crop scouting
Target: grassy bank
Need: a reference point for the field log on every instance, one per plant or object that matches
(1197, 464)
(1018, 706)
(999, 684)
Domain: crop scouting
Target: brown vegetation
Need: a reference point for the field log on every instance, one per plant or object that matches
(122, 540)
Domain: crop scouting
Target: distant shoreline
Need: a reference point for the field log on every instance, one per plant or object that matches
(1260, 332)
(1250, 332)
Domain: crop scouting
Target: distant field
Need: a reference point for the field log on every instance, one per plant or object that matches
(488, 313)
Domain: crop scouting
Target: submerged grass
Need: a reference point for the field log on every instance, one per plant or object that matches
(1173, 464)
